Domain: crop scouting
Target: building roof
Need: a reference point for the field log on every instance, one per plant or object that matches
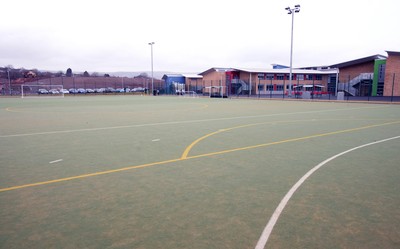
(287, 70)
(172, 76)
(192, 76)
(393, 53)
(359, 61)
(217, 69)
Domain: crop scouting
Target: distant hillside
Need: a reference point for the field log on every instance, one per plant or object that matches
(157, 74)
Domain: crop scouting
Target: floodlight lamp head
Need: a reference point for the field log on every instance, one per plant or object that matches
(151, 43)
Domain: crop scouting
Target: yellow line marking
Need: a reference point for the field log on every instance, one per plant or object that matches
(291, 140)
(89, 175)
(192, 157)
(9, 109)
(187, 150)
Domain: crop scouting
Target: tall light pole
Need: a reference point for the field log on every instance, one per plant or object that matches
(9, 81)
(296, 9)
(152, 76)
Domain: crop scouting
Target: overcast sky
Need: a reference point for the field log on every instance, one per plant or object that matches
(192, 36)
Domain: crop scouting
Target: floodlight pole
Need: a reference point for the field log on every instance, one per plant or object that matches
(296, 9)
(9, 81)
(152, 73)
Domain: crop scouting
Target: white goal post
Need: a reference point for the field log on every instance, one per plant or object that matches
(190, 94)
(40, 91)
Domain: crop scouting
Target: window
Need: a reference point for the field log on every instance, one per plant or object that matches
(309, 77)
(280, 76)
(300, 76)
(270, 87)
(332, 78)
(279, 87)
(318, 77)
(260, 87)
(288, 76)
(381, 73)
(270, 76)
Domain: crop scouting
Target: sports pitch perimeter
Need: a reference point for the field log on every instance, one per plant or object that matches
(169, 172)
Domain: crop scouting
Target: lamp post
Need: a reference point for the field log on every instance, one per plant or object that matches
(152, 76)
(296, 9)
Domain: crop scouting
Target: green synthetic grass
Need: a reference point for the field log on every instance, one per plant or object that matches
(248, 154)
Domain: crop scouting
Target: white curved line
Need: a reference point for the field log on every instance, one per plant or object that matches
(274, 218)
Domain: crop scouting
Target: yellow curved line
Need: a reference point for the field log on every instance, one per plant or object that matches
(197, 156)
(291, 140)
(189, 148)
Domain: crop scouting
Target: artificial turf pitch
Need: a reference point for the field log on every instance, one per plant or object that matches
(169, 172)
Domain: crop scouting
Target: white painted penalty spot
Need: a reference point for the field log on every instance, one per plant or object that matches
(56, 161)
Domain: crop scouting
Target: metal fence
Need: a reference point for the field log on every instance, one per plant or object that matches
(363, 87)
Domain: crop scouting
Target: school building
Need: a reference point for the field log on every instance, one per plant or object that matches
(375, 75)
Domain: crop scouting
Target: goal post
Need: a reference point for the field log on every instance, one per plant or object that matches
(40, 91)
(190, 94)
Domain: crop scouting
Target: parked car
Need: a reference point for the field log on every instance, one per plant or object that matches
(72, 90)
(42, 91)
(80, 90)
(138, 89)
(53, 91)
(119, 90)
(64, 91)
(89, 90)
(109, 90)
(99, 90)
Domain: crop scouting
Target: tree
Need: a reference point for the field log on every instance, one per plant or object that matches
(106, 75)
(69, 72)
(143, 75)
(86, 74)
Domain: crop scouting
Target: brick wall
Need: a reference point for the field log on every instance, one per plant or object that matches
(392, 70)
(349, 73)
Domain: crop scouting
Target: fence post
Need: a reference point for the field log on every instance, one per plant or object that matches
(391, 99)
(348, 88)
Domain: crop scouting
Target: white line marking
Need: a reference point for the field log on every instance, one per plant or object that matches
(156, 140)
(177, 122)
(56, 161)
(274, 218)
